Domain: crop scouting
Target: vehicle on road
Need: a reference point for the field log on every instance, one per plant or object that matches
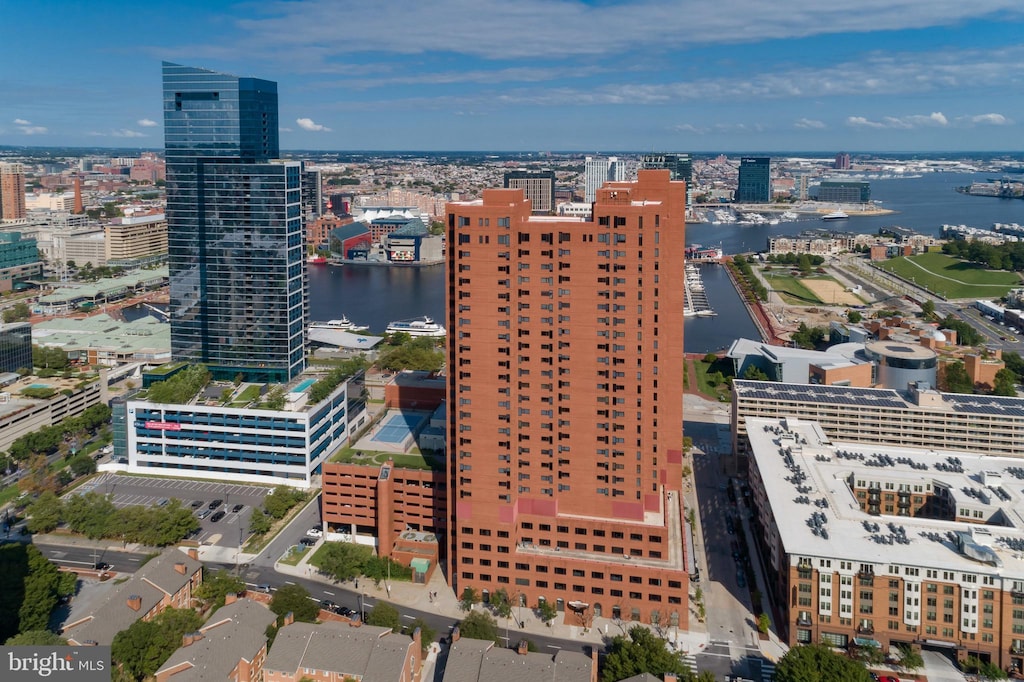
(102, 566)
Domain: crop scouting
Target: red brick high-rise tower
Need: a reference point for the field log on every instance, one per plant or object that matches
(12, 191)
(565, 368)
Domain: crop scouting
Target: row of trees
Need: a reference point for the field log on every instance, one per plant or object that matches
(30, 588)
(324, 387)
(95, 516)
(751, 285)
(1008, 256)
(47, 439)
(347, 560)
(421, 353)
(17, 312)
(276, 506)
(181, 387)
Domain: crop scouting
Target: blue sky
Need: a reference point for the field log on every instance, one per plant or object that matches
(535, 75)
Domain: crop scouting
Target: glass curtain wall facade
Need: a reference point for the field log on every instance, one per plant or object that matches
(235, 233)
(15, 346)
(755, 181)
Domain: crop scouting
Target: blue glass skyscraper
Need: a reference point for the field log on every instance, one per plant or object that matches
(235, 234)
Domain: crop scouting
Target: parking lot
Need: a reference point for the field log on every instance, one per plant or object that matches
(226, 530)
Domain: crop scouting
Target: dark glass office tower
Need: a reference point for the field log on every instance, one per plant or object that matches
(679, 165)
(235, 234)
(755, 181)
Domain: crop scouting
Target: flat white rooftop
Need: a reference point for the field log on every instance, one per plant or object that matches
(807, 478)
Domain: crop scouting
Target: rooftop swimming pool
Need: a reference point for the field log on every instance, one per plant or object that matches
(304, 385)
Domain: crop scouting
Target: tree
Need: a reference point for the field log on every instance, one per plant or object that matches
(90, 514)
(217, 585)
(955, 378)
(755, 373)
(469, 597)
(710, 358)
(763, 623)
(1005, 383)
(344, 560)
(910, 659)
(479, 625)
(294, 599)
(854, 316)
(281, 500)
(641, 652)
(36, 638)
(385, 615)
(45, 513)
(818, 663)
(144, 646)
(928, 309)
(427, 633)
(546, 611)
(82, 464)
(259, 522)
(44, 585)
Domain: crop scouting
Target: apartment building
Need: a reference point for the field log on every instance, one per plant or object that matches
(564, 414)
(874, 545)
(919, 417)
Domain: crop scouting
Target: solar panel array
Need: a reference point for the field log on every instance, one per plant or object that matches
(835, 395)
(985, 404)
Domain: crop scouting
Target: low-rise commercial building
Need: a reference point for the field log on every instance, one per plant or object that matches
(477, 660)
(22, 413)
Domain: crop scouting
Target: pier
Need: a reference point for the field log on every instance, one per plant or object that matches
(695, 298)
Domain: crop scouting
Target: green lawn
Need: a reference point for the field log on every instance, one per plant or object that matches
(723, 365)
(790, 288)
(409, 460)
(294, 556)
(951, 277)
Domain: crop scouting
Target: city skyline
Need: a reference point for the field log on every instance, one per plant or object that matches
(581, 75)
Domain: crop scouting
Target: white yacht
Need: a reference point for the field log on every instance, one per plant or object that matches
(835, 215)
(343, 324)
(418, 326)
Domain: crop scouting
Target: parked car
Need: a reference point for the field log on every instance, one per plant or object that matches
(102, 566)
(328, 604)
(345, 611)
(315, 532)
(218, 516)
(307, 542)
(262, 587)
(196, 504)
(237, 508)
(203, 514)
(163, 502)
(215, 504)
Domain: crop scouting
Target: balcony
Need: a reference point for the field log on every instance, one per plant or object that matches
(865, 629)
(804, 620)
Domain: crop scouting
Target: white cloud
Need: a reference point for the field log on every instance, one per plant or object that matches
(861, 122)
(308, 124)
(146, 122)
(22, 122)
(545, 28)
(688, 128)
(125, 132)
(284, 130)
(990, 119)
(809, 124)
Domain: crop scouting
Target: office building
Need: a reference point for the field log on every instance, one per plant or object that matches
(19, 261)
(312, 194)
(755, 181)
(877, 545)
(679, 165)
(235, 235)
(12, 191)
(842, 161)
(599, 170)
(15, 346)
(136, 240)
(564, 409)
(845, 191)
(537, 186)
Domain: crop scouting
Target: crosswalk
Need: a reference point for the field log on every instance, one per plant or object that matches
(690, 661)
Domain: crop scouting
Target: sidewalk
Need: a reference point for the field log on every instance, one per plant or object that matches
(522, 623)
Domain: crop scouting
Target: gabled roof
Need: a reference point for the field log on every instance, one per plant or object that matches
(367, 652)
(233, 633)
(155, 580)
(474, 660)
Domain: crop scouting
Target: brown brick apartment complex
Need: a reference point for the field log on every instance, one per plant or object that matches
(565, 362)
